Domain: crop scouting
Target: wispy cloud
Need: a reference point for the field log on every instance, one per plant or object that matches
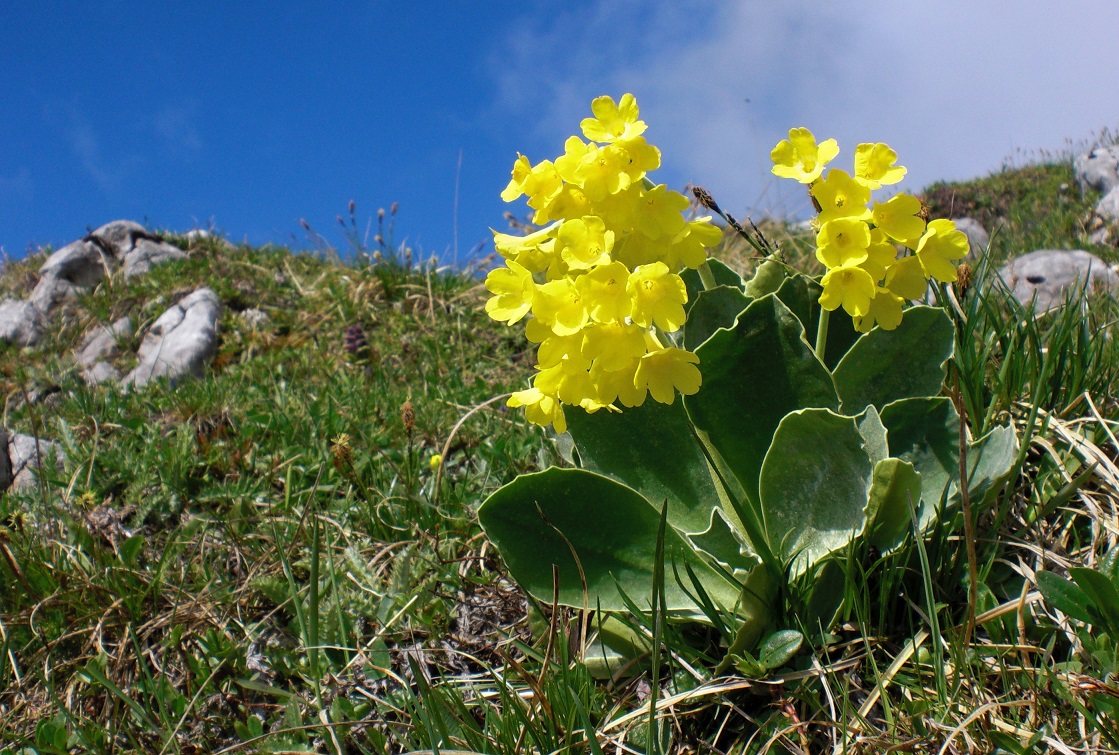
(175, 125)
(955, 86)
(110, 174)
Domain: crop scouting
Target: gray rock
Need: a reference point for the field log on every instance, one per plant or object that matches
(1100, 236)
(181, 342)
(81, 264)
(100, 372)
(256, 318)
(147, 253)
(1098, 169)
(120, 235)
(21, 323)
(1108, 206)
(977, 237)
(26, 454)
(1046, 274)
(104, 342)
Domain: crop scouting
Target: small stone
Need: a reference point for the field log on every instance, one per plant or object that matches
(100, 372)
(1108, 206)
(1046, 274)
(104, 342)
(1098, 169)
(25, 454)
(977, 237)
(256, 318)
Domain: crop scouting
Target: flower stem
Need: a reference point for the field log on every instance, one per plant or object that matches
(822, 334)
(706, 276)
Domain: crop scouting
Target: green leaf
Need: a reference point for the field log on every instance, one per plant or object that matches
(887, 365)
(779, 648)
(874, 434)
(1102, 595)
(990, 459)
(801, 294)
(713, 309)
(767, 278)
(652, 449)
(609, 526)
(896, 485)
(925, 432)
(1063, 595)
(814, 485)
(825, 597)
(724, 543)
(753, 376)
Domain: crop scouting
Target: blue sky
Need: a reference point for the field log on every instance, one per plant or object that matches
(253, 115)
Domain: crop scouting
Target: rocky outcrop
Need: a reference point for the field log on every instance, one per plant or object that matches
(183, 341)
(1045, 276)
(1098, 169)
(21, 456)
(76, 268)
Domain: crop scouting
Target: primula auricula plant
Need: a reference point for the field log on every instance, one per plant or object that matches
(736, 505)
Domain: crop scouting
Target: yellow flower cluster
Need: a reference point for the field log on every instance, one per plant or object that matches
(598, 282)
(857, 241)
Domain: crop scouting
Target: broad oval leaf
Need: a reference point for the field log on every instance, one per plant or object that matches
(609, 526)
(652, 449)
(713, 309)
(887, 365)
(896, 487)
(723, 275)
(1063, 595)
(814, 485)
(779, 648)
(754, 375)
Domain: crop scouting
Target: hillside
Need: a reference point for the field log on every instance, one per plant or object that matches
(281, 553)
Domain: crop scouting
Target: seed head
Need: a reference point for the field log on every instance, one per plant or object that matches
(408, 417)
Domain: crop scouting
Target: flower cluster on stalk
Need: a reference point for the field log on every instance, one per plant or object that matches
(598, 283)
(857, 241)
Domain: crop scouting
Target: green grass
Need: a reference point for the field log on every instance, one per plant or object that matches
(264, 561)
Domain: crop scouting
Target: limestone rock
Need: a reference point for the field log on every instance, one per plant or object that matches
(1098, 169)
(100, 372)
(104, 342)
(120, 235)
(147, 253)
(1048, 273)
(977, 237)
(25, 454)
(181, 342)
(21, 322)
(1108, 206)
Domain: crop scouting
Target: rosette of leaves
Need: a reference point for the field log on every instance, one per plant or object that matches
(776, 466)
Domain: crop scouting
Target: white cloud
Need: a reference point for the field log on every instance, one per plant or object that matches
(955, 87)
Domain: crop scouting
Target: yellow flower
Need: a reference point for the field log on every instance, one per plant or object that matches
(513, 290)
(906, 278)
(618, 385)
(841, 196)
(558, 305)
(568, 381)
(874, 166)
(533, 251)
(690, 245)
(898, 217)
(657, 213)
(540, 408)
(613, 346)
(584, 242)
(800, 158)
(880, 255)
(569, 202)
(434, 462)
(555, 350)
(658, 297)
(604, 292)
(538, 182)
(613, 122)
(885, 311)
(842, 242)
(941, 244)
(848, 286)
(665, 371)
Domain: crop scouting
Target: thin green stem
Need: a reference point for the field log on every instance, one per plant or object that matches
(706, 276)
(822, 334)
